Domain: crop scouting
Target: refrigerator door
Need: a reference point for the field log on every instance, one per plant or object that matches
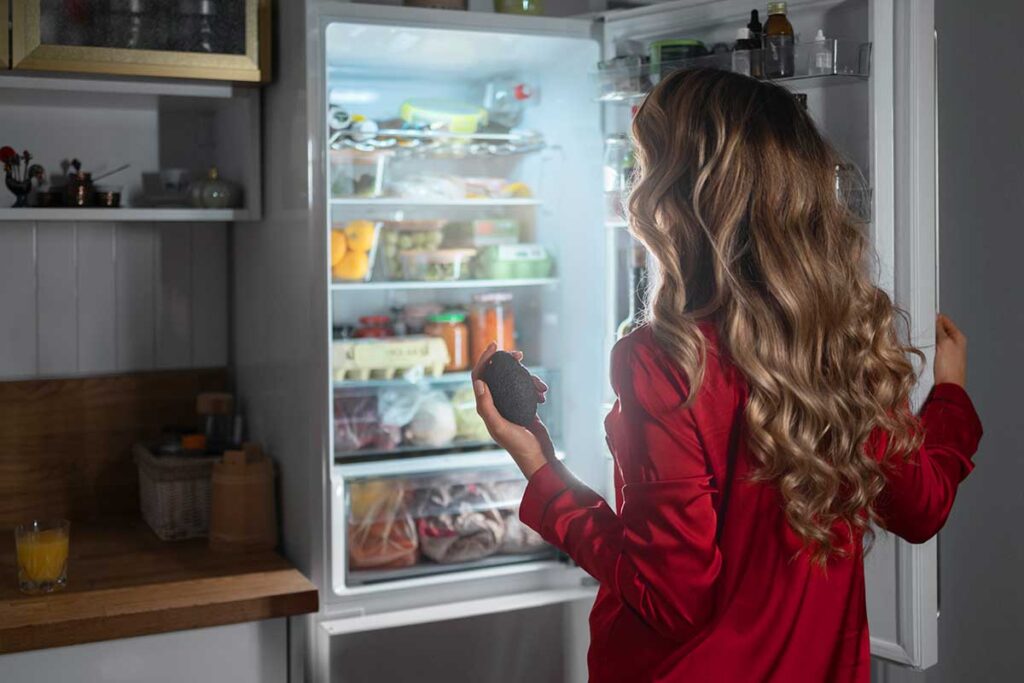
(902, 579)
(886, 126)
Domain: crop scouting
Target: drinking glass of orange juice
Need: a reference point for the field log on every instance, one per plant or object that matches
(42, 555)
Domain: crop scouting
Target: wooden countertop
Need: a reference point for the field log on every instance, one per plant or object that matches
(123, 581)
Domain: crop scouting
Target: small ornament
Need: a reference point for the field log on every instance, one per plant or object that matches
(18, 174)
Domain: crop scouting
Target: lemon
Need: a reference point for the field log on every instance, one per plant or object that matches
(360, 235)
(353, 266)
(521, 190)
(338, 246)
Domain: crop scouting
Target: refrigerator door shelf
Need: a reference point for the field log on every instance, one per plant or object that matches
(623, 80)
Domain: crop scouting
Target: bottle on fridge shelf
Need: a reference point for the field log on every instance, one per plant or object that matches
(821, 59)
(778, 42)
(505, 99)
(741, 52)
(637, 289)
(618, 169)
(756, 30)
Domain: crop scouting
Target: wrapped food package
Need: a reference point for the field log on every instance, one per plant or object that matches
(433, 424)
(381, 531)
(358, 426)
(519, 538)
(468, 423)
(458, 523)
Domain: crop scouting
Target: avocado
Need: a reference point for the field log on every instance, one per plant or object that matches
(512, 388)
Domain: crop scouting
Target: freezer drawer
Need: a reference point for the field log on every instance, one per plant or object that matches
(418, 518)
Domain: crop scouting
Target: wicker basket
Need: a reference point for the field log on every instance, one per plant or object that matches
(174, 493)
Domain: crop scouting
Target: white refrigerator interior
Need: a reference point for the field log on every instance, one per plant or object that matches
(388, 492)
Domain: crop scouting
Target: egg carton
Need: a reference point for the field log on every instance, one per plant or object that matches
(365, 359)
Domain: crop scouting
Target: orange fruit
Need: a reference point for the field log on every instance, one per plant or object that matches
(354, 265)
(359, 235)
(338, 246)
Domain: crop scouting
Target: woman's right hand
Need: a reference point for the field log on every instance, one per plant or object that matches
(950, 353)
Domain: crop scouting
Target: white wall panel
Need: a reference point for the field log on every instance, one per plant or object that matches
(92, 298)
(97, 353)
(174, 296)
(57, 302)
(17, 300)
(136, 296)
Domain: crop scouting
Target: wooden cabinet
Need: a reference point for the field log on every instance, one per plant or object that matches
(224, 40)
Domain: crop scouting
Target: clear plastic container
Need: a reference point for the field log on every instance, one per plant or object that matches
(358, 174)
(491, 318)
(513, 262)
(398, 236)
(354, 250)
(435, 266)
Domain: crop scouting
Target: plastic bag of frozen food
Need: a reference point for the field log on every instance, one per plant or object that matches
(433, 424)
(457, 522)
(469, 425)
(358, 425)
(399, 405)
(519, 538)
(381, 532)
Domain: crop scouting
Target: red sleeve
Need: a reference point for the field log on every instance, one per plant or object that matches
(920, 490)
(659, 555)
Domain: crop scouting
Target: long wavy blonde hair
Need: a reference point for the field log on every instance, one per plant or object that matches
(734, 199)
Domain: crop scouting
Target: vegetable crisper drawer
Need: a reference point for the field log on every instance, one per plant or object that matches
(402, 526)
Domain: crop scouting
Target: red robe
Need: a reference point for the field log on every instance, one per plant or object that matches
(701, 579)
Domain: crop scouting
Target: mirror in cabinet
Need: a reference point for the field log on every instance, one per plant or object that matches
(221, 40)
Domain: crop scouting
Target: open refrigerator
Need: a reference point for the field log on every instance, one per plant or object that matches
(463, 188)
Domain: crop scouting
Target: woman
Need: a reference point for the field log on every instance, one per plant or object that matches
(762, 422)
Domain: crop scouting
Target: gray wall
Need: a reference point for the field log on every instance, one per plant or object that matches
(981, 190)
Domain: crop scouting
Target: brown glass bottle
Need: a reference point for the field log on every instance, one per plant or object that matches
(778, 42)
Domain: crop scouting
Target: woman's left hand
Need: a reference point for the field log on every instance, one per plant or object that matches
(529, 446)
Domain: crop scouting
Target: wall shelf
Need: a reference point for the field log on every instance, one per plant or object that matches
(152, 215)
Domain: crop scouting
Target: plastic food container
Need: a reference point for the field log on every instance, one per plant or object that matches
(435, 266)
(483, 232)
(353, 250)
(513, 261)
(491, 318)
(397, 236)
(358, 174)
(451, 326)
(452, 116)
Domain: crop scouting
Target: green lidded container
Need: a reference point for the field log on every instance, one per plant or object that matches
(675, 50)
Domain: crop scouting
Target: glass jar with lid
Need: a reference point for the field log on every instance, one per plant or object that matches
(491, 318)
(451, 327)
